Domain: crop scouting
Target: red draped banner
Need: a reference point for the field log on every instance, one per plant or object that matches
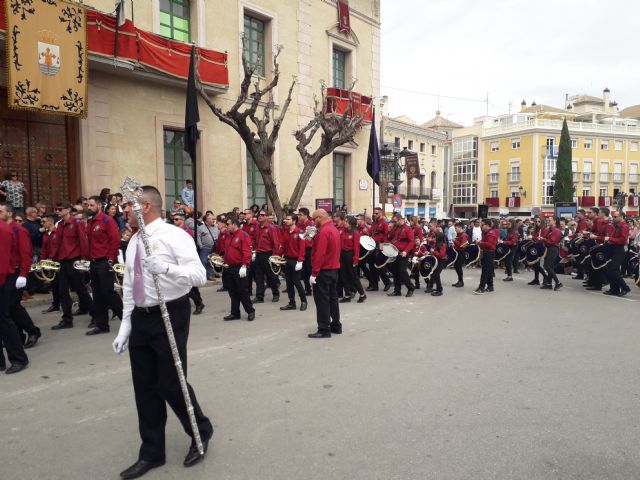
(344, 21)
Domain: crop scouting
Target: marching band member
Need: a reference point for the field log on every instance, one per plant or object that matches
(349, 254)
(601, 229)
(48, 240)
(292, 248)
(325, 260)
(250, 227)
(617, 240)
(104, 246)
(303, 222)
(194, 294)
(379, 232)
(364, 229)
(237, 257)
(418, 238)
(221, 246)
(266, 242)
(402, 238)
(459, 243)
(440, 252)
(551, 237)
(536, 235)
(488, 246)
(512, 240)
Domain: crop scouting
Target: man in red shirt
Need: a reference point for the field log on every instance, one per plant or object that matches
(460, 242)
(292, 248)
(402, 237)
(488, 246)
(72, 244)
(104, 245)
(380, 233)
(237, 257)
(267, 241)
(9, 335)
(600, 229)
(325, 264)
(48, 246)
(364, 229)
(21, 258)
(303, 222)
(617, 239)
(551, 237)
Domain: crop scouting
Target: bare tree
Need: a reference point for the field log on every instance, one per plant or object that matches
(258, 120)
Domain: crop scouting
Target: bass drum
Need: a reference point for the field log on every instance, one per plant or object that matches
(368, 244)
(452, 257)
(471, 255)
(600, 256)
(521, 251)
(584, 249)
(428, 266)
(387, 255)
(502, 251)
(535, 252)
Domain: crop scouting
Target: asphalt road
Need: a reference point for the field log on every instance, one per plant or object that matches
(518, 384)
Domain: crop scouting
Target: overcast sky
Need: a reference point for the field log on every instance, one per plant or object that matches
(511, 49)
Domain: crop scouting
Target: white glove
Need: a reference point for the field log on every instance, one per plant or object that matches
(122, 340)
(253, 257)
(155, 265)
(298, 266)
(243, 271)
(312, 280)
(21, 282)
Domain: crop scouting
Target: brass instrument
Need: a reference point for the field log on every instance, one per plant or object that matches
(118, 269)
(217, 262)
(276, 263)
(309, 233)
(45, 270)
(82, 265)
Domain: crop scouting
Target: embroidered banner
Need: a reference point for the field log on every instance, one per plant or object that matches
(412, 166)
(344, 23)
(47, 50)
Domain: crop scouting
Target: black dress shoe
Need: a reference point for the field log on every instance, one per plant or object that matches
(251, 317)
(32, 339)
(387, 287)
(410, 293)
(609, 292)
(288, 306)
(394, 294)
(579, 277)
(458, 284)
(345, 300)
(221, 289)
(546, 286)
(594, 289)
(303, 306)
(193, 455)
(488, 289)
(139, 468)
(437, 293)
(371, 289)
(362, 298)
(320, 335)
(557, 287)
(479, 291)
(337, 329)
(534, 282)
(231, 317)
(199, 309)
(275, 299)
(257, 300)
(92, 324)
(51, 309)
(507, 279)
(97, 331)
(77, 313)
(624, 292)
(16, 367)
(62, 324)
(428, 290)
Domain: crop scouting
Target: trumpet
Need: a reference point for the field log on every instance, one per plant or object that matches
(276, 263)
(45, 270)
(309, 233)
(82, 265)
(118, 269)
(217, 262)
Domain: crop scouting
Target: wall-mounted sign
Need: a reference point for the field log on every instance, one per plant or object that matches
(363, 184)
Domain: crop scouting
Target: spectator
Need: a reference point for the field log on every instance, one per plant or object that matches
(112, 211)
(105, 193)
(206, 240)
(187, 194)
(13, 191)
(254, 209)
(33, 224)
(115, 200)
(41, 210)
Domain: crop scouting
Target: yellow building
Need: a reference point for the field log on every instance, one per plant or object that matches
(136, 116)
(519, 154)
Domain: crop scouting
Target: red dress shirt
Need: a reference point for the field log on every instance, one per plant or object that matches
(380, 230)
(489, 240)
(21, 249)
(237, 249)
(459, 241)
(72, 240)
(402, 237)
(325, 254)
(620, 234)
(267, 238)
(292, 245)
(104, 238)
(350, 242)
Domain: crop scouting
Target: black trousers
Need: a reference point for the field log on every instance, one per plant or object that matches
(155, 380)
(306, 269)
(9, 336)
(55, 293)
(612, 273)
(401, 274)
(486, 277)
(69, 277)
(515, 261)
(237, 290)
(262, 271)
(458, 266)
(435, 276)
(294, 283)
(350, 281)
(363, 266)
(325, 297)
(508, 262)
(194, 294)
(550, 260)
(17, 312)
(104, 293)
(376, 274)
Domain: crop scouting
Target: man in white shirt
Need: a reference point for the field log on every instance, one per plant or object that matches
(476, 233)
(175, 261)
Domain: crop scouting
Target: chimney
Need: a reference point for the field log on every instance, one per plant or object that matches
(523, 105)
(384, 105)
(605, 97)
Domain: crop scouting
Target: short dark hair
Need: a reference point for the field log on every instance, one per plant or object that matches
(153, 194)
(95, 198)
(234, 220)
(304, 211)
(487, 221)
(7, 206)
(459, 224)
(293, 216)
(605, 210)
(340, 214)
(188, 181)
(595, 210)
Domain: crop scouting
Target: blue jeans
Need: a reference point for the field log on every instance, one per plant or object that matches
(204, 253)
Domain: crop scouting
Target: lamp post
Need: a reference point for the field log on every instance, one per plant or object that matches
(392, 169)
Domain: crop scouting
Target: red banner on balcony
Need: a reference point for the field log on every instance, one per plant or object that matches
(633, 200)
(492, 201)
(344, 22)
(338, 103)
(587, 201)
(604, 201)
(512, 202)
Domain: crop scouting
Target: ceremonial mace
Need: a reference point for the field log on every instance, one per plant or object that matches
(132, 193)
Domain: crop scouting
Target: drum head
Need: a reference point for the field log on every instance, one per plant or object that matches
(381, 260)
(535, 252)
(367, 242)
(428, 265)
(389, 250)
(522, 250)
(452, 256)
(471, 254)
(502, 251)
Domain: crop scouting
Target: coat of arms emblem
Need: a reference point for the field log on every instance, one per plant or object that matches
(48, 53)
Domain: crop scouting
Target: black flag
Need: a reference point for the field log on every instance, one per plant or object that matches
(191, 114)
(373, 156)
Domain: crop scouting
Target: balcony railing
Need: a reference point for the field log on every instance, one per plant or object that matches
(411, 192)
(341, 102)
(493, 177)
(633, 178)
(574, 127)
(605, 178)
(514, 177)
(618, 177)
(587, 177)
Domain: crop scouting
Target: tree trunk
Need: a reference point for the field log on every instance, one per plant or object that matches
(301, 184)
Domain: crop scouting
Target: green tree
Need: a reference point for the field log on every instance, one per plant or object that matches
(563, 187)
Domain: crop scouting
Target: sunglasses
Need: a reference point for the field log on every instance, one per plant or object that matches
(262, 214)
